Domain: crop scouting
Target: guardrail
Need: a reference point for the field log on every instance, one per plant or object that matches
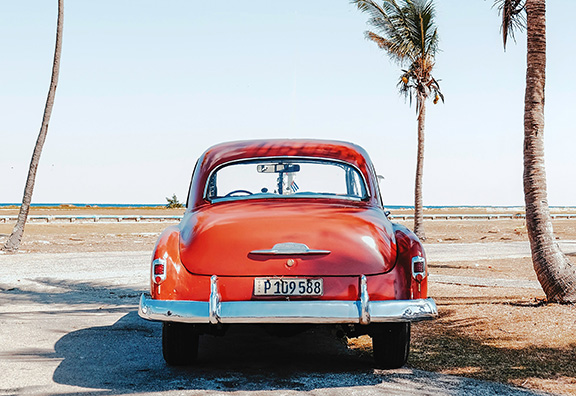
(480, 216)
(164, 218)
(93, 218)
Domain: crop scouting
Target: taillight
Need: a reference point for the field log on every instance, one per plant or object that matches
(159, 271)
(418, 268)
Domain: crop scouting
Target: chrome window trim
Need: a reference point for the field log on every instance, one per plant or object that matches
(255, 159)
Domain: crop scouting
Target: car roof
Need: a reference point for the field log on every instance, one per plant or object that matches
(245, 149)
(224, 153)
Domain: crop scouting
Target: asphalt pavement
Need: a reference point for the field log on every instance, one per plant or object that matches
(68, 325)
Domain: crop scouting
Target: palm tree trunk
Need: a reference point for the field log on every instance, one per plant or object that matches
(555, 272)
(13, 242)
(418, 209)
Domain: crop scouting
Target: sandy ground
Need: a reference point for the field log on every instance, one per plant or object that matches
(61, 236)
(503, 334)
(69, 327)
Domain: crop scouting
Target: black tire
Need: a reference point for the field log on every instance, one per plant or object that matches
(391, 345)
(179, 343)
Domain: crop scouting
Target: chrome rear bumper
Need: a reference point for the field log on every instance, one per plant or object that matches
(215, 311)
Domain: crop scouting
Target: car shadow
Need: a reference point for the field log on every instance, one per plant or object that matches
(126, 358)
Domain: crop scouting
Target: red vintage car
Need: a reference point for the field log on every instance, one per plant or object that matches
(280, 232)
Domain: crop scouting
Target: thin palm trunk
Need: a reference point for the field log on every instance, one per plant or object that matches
(555, 272)
(418, 209)
(13, 242)
(406, 29)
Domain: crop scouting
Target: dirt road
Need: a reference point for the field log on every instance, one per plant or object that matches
(69, 326)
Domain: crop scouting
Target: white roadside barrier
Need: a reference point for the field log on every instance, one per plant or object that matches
(93, 218)
(164, 218)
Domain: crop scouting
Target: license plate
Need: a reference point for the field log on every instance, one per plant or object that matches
(288, 287)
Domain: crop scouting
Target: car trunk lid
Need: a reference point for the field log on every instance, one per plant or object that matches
(287, 238)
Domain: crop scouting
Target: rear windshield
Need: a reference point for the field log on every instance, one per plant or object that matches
(286, 178)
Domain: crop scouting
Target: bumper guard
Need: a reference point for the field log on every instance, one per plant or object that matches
(215, 311)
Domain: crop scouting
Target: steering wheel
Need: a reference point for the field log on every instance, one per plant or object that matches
(237, 192)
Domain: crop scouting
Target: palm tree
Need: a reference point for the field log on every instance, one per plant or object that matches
(407, 32)
(13, 242)
(555, 272)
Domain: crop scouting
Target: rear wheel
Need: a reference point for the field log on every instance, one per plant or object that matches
(179, 343)
(391, 345)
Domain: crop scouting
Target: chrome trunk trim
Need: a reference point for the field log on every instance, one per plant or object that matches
(290, 248)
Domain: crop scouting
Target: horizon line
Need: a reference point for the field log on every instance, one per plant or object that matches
(100, 204)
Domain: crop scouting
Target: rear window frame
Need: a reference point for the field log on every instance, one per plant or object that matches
(365, 185)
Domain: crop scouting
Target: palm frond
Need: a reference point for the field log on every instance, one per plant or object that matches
(370, 7)
(421, 15)
(390, 22)
(432, 40)
(513, 17)
(406, 30)
(380, 41)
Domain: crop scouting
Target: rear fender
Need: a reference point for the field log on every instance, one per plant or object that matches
(410, 249)
(177, 280)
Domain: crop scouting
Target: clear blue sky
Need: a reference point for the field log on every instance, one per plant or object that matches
(146, 86)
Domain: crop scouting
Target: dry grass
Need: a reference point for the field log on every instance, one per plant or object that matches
(499, 334)
(87, 237)
(62, 237)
